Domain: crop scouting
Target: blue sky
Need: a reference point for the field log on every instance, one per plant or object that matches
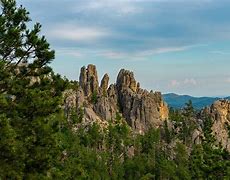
(180, 46)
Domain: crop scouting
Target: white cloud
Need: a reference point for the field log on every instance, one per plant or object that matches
(186, 82)
(77, 33)
(174, 83)
(190, 81)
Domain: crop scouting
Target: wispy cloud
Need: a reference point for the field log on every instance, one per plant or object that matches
(147, 53)
(220, 52)
(77, 33)
(163, 50)
(118, 7)
(140, 54)
(70, 52)
(128, 56)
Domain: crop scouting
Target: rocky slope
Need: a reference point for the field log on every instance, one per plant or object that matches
(220, 113)
(140, 109)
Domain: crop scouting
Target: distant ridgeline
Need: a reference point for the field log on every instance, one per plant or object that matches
(178, 101)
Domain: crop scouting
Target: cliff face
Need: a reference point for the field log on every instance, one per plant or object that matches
(220, 113)
(141, 109)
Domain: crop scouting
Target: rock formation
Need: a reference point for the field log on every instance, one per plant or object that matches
(220, 113)
(104, 83)
(141, 109)
(89, 80)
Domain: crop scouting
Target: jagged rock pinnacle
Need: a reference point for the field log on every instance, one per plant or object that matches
(89, 80)
(104, 83)
(140, 108)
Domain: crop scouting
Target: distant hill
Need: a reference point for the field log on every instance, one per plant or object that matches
(178, 101)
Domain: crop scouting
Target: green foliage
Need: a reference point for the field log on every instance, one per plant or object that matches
(208, 160)
(209, 163)
(207, 129)
(189, 110)
(181, 160)
(184, 122)
(167, 133)
(29, 97)
(188, 125)
(11, 150)
(72, 84)
(175, 115)
(75, 116)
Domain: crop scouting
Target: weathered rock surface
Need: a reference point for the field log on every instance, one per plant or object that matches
(106, 108)
(104, 84)
(140, 108)
(197, 136)
(220, 113)
(126, 80)
(89, 80)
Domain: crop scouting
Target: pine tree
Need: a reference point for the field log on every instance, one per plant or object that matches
(29, 97)
(188, 123)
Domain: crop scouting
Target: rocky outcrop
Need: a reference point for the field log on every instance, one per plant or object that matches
(220, 113)
(106, 108)
(140, 109)
(89, 80)
(104, 84)
(125, 79)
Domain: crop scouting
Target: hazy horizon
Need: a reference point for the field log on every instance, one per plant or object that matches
(171, 46)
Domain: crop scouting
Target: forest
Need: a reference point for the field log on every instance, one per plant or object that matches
(38, 141)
